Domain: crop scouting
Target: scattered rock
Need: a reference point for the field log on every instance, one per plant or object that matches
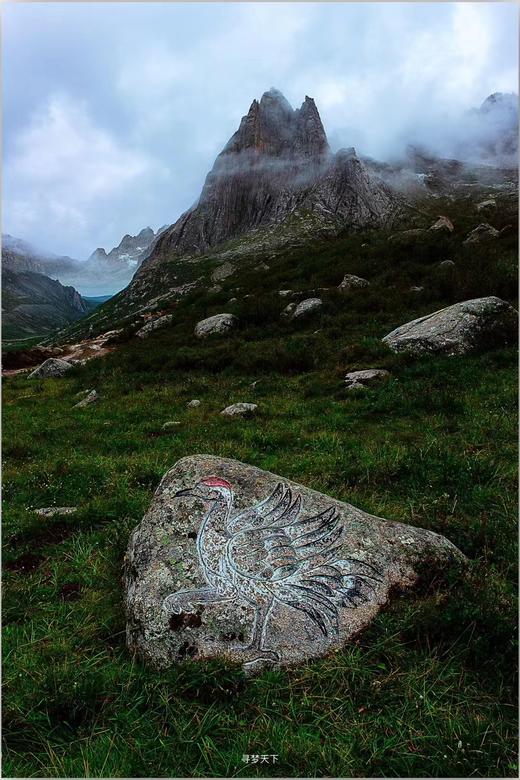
(82, 393)
(487, 206)
(89, 399)
(443, 224)
(284, 293)
(407, 237)
(506, 230)
(416, 288)
(222, 272)
(307, 307)
(170, 425)
(193, 404)
(53, 367)
(287, 312)
(219, 323)
(238, 563)
(477, 324)
(262, 267)
(51, 511)
(483, 232)
(447, 264)
(351, 282)
(368, 377)
(216, 288)
(160, 322)
(233, 300)
(240, 410)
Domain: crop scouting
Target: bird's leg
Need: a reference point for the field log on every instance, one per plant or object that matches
(256, 644)
(186, 600)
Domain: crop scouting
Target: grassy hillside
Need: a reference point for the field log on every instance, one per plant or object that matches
(430, 688)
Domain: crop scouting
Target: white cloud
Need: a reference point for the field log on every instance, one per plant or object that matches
(64, 168)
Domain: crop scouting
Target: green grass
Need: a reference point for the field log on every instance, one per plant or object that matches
(429, 690)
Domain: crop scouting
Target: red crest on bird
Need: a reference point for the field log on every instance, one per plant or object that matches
(216, 482)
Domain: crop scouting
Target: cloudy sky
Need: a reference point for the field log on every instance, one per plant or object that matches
(114, 113)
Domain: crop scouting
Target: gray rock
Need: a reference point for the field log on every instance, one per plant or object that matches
(307, 307)
(368, 377)
(216, 288)
(447, 264)
(193, 404)
(487, 205)
(91, 398)
(443, 225)
(219, 323)
(233, 300)
(170, 425)
(240, 410)
(464, 327)
(222, 272)
(160, 322)
(416, 288)
(53, 367)
(238, 563)
(287, 312)
(284, 293)
(351, 282)
(51, 511)
(407, 237)
(82, 393)
(483, 232)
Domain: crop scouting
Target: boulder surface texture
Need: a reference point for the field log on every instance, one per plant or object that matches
(234, 562)
(51, 367)
(469, 326)
(219, 323)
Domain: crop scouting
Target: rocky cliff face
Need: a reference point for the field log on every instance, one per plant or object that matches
(278, 161)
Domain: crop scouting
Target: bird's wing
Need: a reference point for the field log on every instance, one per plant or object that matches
(270, 537)
(266, 512)
(300, 558)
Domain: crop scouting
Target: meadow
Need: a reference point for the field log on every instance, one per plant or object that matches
(429, 690)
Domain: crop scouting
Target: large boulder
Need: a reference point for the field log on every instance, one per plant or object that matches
(367, 377)
(222, 272)
(464, 327)
(306, 308)
(219, 323)
(351, 282)
(157, 324)
(407, 238)
(231, 561)
(240, 409)
(442, 225)
(90, 398)
(482, 233)
(53, 367)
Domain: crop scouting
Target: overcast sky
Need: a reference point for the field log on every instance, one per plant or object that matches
(114, 113)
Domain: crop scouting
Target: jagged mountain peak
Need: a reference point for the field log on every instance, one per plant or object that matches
(277, 162)
(273, 128)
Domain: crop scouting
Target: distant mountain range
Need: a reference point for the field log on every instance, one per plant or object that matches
(101, 274)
